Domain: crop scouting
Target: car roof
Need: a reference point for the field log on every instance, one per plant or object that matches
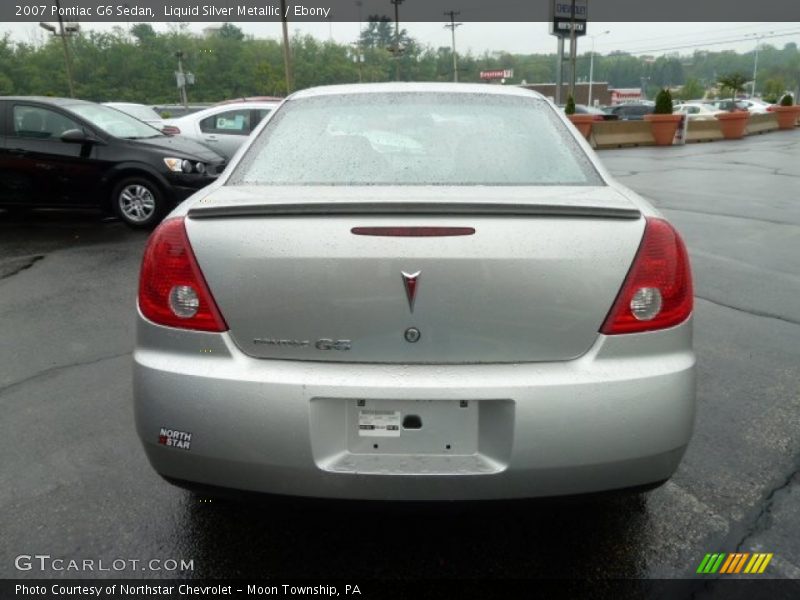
(399, 87)
(251, 99)
(47, 100)
(218, 108)
(126, 104)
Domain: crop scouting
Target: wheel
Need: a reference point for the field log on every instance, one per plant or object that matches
(138, 202)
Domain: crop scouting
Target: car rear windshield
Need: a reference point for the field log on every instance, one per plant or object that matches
(415, 139)
(143, 113)
(115, 122)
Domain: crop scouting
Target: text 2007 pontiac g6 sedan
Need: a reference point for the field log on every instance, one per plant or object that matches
(415, 292)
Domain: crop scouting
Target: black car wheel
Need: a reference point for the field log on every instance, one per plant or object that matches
(138, 202)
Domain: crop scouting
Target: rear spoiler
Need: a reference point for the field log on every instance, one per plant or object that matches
(408, 208)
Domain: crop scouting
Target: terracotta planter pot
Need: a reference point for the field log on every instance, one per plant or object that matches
(663, 128)
(583, 123)
(787, 116)
(733, 124)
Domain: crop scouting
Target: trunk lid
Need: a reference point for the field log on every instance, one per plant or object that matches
(534, 281)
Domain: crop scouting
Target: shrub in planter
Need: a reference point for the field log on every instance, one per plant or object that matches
(733, 123)
(663, 103)
(663, 124)
(583, 123)
(786, 112)
(570, 107)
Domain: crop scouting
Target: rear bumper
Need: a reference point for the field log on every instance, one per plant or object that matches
(618, 417)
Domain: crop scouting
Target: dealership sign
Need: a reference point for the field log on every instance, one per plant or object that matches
(562, 17)
(498, 74)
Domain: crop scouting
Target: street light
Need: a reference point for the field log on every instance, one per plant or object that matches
(759, 37)
(591, 63)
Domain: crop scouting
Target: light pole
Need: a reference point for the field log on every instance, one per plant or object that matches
(591, 64)
(759, 37)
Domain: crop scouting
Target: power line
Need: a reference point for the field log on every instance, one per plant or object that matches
(705, 33)
(710, 43)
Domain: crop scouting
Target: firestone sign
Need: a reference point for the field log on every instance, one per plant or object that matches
(498, 74)
(562, 20)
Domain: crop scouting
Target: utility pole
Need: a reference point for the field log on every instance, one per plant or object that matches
(573, 52)
(287, 56)
(452, 14)
(182, 80)
(397, 50)
(63, 33)
(359, 52)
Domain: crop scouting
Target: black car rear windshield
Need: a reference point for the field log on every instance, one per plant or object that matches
(115, 122)
(415, 139)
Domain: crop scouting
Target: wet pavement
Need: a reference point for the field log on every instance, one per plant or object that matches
(75, 482)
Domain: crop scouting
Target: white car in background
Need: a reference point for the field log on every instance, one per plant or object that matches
(224, 127)
(756, 106)
(697, 111)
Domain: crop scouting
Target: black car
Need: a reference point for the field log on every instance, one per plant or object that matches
(582, 109)
(632, 111)
(58, 152)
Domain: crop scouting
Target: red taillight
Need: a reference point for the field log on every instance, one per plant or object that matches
(657, 293)
(170, 130)
(172, 290)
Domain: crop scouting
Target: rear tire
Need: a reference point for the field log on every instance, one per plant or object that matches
(138, 202)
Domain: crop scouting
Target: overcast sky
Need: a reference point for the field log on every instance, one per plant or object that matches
(524, 38)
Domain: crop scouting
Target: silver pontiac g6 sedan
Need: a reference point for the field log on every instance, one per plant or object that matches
(415, 292)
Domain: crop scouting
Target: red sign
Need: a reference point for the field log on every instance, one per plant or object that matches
(623, 95)
(498, 74)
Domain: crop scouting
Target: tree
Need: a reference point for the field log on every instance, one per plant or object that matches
(229, 31)
(691, 90)
(734, 82)
(773, 88)
(143, 32)
(379, 33)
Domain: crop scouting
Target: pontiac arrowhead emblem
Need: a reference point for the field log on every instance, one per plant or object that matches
(411, 282)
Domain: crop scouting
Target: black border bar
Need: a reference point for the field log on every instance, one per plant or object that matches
(783, 11)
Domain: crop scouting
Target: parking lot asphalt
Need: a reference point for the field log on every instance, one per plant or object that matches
(75, 483)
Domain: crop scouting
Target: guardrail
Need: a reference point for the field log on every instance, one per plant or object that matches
(620, 134)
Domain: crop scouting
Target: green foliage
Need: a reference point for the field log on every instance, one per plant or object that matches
(774, 88)
(137, 64)
(787, 100)
(229, 31)
(735, 82)
(691, 90)
(663, 103)
(570, 107)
